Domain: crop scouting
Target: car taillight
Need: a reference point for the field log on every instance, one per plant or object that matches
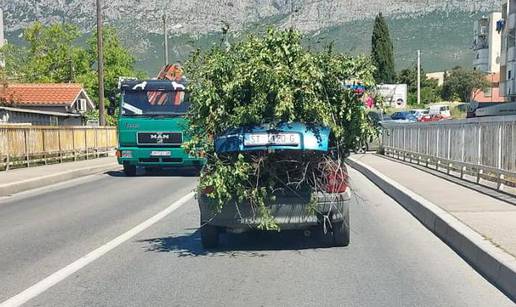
(337, 181)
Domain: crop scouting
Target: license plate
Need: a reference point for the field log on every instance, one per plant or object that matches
(160, 153)
(263, 139)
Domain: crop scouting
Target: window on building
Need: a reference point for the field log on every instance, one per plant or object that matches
(488, 92)
(54, 121)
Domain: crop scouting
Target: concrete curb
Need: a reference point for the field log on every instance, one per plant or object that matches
(493, 263)
(38, 182)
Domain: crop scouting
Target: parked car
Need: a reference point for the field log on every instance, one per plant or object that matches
(404, 117)
(291, 144)
(442, 110)
(432, 118)
(418, 113)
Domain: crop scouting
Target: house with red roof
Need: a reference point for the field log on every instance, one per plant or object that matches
(44, 104)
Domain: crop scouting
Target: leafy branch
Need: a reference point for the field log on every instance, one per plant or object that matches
(272, 79)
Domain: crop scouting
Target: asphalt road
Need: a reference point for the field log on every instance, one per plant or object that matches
(392, 260)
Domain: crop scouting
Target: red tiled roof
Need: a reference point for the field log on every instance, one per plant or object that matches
(52, 94)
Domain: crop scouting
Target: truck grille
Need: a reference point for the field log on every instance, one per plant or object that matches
(160, 138)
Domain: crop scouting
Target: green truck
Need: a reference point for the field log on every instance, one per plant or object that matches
(152, 125)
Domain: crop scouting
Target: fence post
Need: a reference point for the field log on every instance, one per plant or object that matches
(26, 147)
(59, 144)
(108, 133)
(500, 184)
(427, 141)
(479, 144)
(437, 143)
(8, 150)
(463, 143)
(86, 142)
(44, 147)
(73, 145)
(96, 143)
(500, 131)
(449, 143)
(417, 139)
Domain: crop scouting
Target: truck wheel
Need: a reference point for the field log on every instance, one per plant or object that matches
(129, 170)
(341, 230)
(209, 236)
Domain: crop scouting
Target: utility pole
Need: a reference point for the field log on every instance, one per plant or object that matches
(290, 18)
(100, 66)
(165, 37)
(419, 77)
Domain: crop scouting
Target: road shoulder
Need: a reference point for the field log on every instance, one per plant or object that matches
(15, 181)
(492, 261)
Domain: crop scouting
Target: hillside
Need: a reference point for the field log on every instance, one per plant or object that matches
(441, 29)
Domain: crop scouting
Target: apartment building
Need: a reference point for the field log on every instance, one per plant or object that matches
(507, 25)
(487, 43)
(487, 46)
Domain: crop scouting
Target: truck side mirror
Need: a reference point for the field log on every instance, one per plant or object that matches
(111, 110)
(112, 105)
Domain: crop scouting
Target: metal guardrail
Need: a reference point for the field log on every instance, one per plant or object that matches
(29, 145)
(482, 147)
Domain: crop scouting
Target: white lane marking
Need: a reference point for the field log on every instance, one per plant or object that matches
(70, 269)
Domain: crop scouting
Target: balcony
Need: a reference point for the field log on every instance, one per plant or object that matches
(511, 23)
(511, 55)
(482, 57)
(503, 88)
(480, 43)
(509, 88)
(512, 6)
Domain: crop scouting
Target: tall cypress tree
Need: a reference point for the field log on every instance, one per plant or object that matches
(382, 51)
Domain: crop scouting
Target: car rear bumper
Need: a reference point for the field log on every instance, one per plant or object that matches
(288, 212)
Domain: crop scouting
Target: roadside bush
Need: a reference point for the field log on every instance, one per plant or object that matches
(269, 79)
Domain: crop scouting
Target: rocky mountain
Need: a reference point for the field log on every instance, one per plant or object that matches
(441, 28)
(202, 16)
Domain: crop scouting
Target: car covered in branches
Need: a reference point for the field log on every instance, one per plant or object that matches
(304, 167)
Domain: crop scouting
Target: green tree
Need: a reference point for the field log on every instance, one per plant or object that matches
(461, 83)
(15, 59)
(382, 51)
(53, 54)
(430, 89)
(118, 62)
(50, 55)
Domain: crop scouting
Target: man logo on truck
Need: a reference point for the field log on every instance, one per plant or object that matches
(159, 137)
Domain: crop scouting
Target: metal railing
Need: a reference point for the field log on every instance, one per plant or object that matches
(29, 145)
(480, 147)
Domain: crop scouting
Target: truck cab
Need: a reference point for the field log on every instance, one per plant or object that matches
(152, 126)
